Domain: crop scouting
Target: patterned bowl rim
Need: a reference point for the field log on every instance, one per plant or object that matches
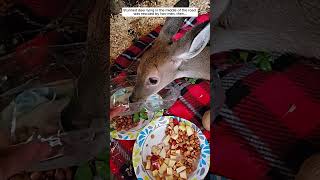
(130, 134)
(204, 161)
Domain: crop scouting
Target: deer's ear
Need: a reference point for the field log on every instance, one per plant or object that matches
(194, 42)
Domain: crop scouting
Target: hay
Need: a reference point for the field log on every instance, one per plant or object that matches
(124, 30)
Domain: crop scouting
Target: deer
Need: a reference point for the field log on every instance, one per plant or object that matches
(168, 60)
(281, 26)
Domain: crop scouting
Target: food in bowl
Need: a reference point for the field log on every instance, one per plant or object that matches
(176, 157)
(125, 123)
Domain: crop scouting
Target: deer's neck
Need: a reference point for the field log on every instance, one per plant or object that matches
(197, 67)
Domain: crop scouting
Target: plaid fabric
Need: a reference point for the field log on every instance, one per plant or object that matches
(191, 105)
(270, 121)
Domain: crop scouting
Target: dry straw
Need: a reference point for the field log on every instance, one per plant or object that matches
(124, 30)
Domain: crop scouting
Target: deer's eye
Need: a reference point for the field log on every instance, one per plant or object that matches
(153, 80)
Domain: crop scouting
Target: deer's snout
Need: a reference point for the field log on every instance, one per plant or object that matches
(133, 98)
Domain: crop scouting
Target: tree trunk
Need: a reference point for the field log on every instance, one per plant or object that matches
(89, 105)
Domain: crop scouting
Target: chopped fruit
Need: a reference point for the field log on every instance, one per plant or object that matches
(166, 140)
(123, 123)
(190, 148)
(171, 163)
(183, 175)
(182, 127)
(163, 168)
(155, 162)
(160, 146)
(174, 146)
(175, 174)
(163, 153)
(169, 171)
(155, 150)
(148, 166)
(167, 160)
(189, 130)
(173, 157)
(180, 169)
(155, 173)
(176, 129)
(187, 153)
(175, 136)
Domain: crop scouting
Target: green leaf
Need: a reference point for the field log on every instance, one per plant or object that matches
(143, 115)
(192, 81)
(265, 65)
(136, 117)
(159, 113)
(84, 173)
(244, 56)
(143, 110)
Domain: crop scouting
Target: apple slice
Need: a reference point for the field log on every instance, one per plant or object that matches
(171, 163)
(189, 130)
(176, 129)
(183, 175)
(180, 169)
(169, 177)
(167, 160)
(163, 168)
(155, 150)
(166, 140)
(163, 153)
(174, 146)
(148, 165)
(173, 157)
(182, 127)
(175, 174)
(169, 171)
(155, 173)
(175, 136)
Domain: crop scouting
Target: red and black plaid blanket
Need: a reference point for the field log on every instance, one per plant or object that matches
(270, 121)
(192, 104)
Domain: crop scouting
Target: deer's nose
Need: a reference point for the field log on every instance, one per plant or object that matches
(131, 99)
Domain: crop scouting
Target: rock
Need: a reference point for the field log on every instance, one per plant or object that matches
(36, 176)
(206, 120)
(310, 169)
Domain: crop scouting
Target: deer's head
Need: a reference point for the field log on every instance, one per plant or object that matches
(161, 64)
